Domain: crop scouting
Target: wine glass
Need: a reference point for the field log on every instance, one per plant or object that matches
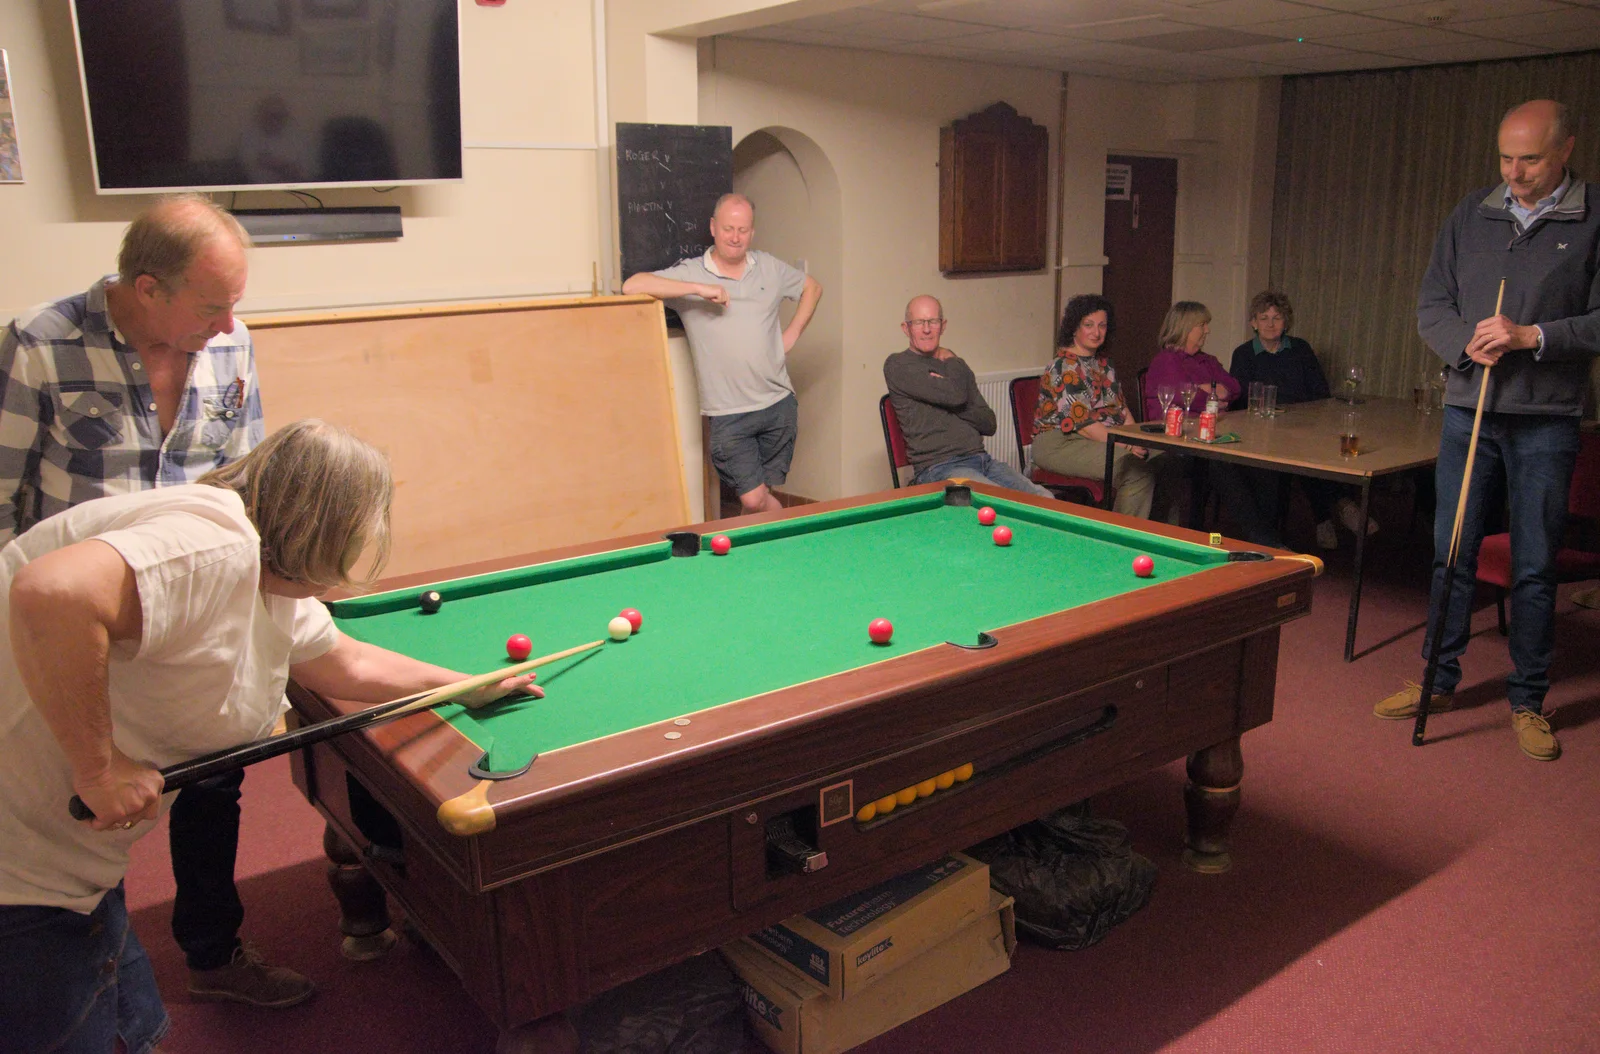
(1165, 393)
(1352, 382)
(1186, 395)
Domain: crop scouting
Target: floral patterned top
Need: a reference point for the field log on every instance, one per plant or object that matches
(1077, 391)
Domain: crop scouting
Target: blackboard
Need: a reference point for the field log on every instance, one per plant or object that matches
(669, 177)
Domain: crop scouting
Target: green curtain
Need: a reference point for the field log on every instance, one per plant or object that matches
(1369, 165)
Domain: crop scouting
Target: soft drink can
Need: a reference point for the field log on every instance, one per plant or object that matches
(1174, 420)
(1207, 432)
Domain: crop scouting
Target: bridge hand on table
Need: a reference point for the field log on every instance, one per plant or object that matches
(481, 697)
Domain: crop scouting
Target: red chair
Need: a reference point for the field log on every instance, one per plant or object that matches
(1572, 565)
(1024, 400)
(894, 440)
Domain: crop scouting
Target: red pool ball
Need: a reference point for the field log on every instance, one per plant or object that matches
(1143, 566)
(518, 646)
(1002, 536)
(634, 618)
(721, 544)
(986, 516)
(880, 630)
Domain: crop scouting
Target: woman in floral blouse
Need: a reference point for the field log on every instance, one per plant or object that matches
(1078, 396)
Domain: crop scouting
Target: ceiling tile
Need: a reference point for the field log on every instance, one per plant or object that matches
(1520, 27)
(1577, 40)
(1369, 6)
(1320, 27)
(1193, 40)
(1387, 40)
(1297, 56)
(1475, 51)
(1241, 13)
(1460, 11)
(909, 28)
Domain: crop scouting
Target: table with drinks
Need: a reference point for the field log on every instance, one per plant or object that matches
(1350, 439)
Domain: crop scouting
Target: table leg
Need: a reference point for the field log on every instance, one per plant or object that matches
(1111, 464)
(363, 909)
(1210, 798)
(1355, 586)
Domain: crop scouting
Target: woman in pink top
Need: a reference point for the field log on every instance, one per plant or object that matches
(1181, 361)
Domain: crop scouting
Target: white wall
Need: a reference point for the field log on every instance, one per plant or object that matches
(1224, 135)
(523, 222)
(876, 117)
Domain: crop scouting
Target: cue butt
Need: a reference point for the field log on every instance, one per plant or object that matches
(468, 814)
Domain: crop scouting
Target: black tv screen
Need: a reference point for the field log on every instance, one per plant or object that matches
(253, 94)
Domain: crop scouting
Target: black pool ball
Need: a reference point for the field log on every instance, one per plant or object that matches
(431, 601)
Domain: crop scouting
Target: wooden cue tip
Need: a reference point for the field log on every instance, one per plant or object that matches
(468, 814)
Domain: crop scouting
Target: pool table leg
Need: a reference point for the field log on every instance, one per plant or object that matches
(363, 909)
(1211, 797)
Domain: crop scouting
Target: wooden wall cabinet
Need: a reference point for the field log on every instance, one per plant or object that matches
(994, 192)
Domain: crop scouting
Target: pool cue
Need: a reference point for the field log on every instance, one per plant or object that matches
(1420, 728)
(184, 773)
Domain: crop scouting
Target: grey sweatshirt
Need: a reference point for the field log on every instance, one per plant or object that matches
(1552, 276)
(941, 411)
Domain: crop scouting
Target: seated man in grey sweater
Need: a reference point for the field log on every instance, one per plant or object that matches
(942, 413)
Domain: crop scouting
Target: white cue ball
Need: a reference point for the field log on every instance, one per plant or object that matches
(619, 628)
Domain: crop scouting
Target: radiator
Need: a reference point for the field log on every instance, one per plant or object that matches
(996, 389)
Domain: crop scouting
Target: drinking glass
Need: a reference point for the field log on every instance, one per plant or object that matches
(1164, 395)
(1187, 394)
(1257, 393)
(1352, 382)
(1269, 400)
(1350, 434)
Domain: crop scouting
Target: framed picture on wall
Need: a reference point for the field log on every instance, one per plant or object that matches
(257, 16)
(10, 152)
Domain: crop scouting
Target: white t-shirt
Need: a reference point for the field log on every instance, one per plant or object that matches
(208, 673)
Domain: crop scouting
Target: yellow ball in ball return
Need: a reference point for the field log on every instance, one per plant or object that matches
(944, 780)
(925, 788)
(905, 795)
(886, 804)
(964, 773)
(866, 812)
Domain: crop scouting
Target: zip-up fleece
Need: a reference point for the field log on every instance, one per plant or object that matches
(1552, 275)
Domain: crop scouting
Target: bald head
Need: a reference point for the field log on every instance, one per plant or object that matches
(924, 324)
(1535, 143)
(733, 226)
(165, 239)
(733, 201)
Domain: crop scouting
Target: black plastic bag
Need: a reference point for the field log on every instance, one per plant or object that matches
(1073, 877)
(694, 1007)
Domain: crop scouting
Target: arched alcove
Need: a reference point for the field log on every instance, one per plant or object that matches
(796, 194)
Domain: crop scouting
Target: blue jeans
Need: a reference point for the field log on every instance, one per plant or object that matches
(981, 468)
(72, 983)
(1536, 453)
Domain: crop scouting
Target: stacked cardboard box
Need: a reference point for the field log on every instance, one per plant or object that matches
(828, 980)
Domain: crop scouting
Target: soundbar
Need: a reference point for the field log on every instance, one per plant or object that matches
(289, 226)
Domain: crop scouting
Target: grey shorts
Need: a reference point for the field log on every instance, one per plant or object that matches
(750, 449)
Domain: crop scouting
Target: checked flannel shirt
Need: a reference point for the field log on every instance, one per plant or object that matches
(78, 421)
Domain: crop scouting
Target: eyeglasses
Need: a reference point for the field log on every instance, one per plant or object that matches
(924, 323)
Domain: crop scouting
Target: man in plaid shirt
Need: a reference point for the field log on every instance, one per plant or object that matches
(147, 380)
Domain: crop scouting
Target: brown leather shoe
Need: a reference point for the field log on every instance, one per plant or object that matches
(246, 979)
(1534, 735)
(1403, 704)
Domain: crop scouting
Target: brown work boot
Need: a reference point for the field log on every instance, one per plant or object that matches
(1534, 735)
(1403, 704)
(247, 979)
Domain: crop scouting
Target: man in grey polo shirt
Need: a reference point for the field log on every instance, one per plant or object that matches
(728, 300)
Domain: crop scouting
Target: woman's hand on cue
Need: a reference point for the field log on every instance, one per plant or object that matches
(521, 684)
(121, 796)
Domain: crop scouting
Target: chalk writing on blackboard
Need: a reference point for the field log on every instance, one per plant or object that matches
(669, 177)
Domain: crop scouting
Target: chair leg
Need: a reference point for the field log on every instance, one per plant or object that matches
(1500, 609)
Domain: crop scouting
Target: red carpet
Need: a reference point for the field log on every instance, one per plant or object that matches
(1384, 898)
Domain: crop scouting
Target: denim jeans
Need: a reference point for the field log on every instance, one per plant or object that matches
(1536, 453)
(203, 828)
(981, 468)
(71, 983)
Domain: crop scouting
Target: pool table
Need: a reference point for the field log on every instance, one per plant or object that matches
(750, 753)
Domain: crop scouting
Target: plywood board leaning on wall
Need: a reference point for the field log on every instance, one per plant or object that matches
(512, 426)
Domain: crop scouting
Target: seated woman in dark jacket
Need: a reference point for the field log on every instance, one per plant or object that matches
(1274, 357)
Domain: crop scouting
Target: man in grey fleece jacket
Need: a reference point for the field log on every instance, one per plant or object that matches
(942, 414)
(1539, 233)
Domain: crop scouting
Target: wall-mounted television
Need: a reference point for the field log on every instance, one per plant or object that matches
(269, 94)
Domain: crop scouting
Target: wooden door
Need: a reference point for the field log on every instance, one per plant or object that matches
(1141, 231)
